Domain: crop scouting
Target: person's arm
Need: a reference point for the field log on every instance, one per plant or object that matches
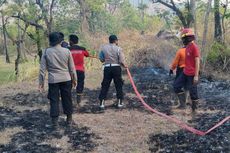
(86, 53)
(42, 72)
(197, 63)
(197, 67)
(72, 70)
(102, 57)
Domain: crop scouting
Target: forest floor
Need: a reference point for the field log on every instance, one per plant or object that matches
(25, 125)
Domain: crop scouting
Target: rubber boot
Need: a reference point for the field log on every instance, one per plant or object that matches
(187, 97)
(78, 99)
(55, 123)
(182, 100)
(102, 104)
(194, 105)
(119, 103)
(69, 120)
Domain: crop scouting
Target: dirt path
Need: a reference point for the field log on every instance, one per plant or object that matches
(25, 123)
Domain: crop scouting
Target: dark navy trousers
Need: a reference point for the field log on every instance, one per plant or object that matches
(186, 82)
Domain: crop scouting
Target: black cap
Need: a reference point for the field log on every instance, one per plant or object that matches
(55, 38)
(62, 35)
(112, 38)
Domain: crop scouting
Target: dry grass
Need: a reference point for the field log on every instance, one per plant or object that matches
(158, 53)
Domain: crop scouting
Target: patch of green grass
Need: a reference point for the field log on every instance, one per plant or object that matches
(27, 71)
(6, 72)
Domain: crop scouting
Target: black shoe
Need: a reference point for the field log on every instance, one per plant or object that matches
(194, 105)
(79, 98)
(69, 120)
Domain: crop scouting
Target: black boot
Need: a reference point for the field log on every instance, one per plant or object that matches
(119, 103)
(55, 123)
(194, 105)
(182, 100)
(78, 99)
(69, 120)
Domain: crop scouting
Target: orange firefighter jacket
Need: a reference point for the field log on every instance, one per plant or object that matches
(179, 60)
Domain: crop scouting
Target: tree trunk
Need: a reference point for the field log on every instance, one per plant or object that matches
(84, 16)
(223, 17)
(17, 61)
(18, 44)
(218, 30)
(193, 16)
(38, 42)
(142, 12)
(5, 39)
(204, 41)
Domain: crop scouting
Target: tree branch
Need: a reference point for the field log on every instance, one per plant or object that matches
(32, 23)
(175, 9)
(163, 3)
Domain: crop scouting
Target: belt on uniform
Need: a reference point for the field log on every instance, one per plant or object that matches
(111, 65)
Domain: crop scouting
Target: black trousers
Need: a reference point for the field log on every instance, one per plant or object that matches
(186, 82)
(80, 81)
(111, 73)
(178, 72)
(63, 89)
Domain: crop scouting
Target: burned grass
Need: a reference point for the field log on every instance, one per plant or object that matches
(37, 134)
(213, 107)
(132, 129)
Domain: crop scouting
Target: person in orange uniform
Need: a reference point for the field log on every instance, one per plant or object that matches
(178, 62)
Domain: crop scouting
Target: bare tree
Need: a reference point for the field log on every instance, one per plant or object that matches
(225, 6)
(192, 10)
(5, 38)
(4, 32)
(85, 14)
(204, 41)
(47, 13)
(18, 41)
(112, 5)
(142, 7)
(218, 28)
(186, 21)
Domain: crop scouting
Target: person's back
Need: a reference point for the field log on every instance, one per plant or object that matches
(178, 62)
(112, 54)
(78, 54)
(57, 64)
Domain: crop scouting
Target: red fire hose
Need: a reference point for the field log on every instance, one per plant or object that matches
(173, 119)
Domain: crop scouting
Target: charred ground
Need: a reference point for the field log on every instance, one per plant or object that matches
(132, 129)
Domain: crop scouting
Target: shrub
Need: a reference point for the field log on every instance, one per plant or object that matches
(219, 56)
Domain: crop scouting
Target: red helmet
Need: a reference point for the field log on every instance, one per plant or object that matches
(187, 32)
